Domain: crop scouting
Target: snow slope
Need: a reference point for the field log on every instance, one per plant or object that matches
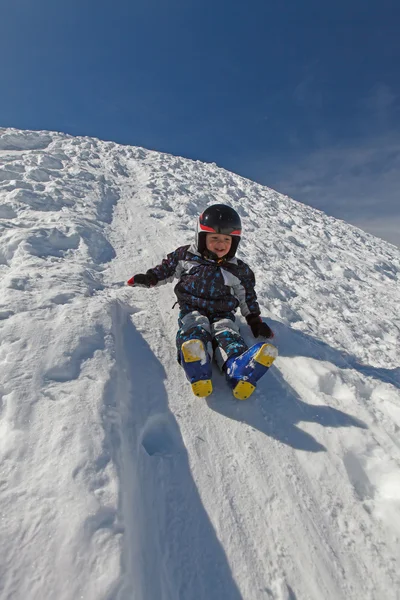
(116, 483)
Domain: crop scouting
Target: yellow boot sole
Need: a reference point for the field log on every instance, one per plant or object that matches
(243, 390)
(203, 388)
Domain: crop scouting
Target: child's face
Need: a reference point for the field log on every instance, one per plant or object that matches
(218, 243)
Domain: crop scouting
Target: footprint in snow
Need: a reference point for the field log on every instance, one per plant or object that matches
(51, 243)
(5, 314)
(67, 365)
(104, 518)
(9, 175)
(62, 298)
(24, 140)
(155, 215)
(40, 175)
(33, 199)
(21, 284)
(7, 212)
(50, 162)
(159, 436)
(358, 476)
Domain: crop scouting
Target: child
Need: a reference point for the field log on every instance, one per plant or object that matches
(212, 284)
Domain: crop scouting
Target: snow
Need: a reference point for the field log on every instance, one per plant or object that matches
(117, 483)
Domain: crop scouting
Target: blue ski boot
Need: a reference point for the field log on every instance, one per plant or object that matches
(197, 366)
(243, 372)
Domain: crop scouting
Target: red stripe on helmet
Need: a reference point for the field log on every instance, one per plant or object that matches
(205, 228)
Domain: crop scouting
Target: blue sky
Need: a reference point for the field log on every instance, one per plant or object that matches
(300, 96)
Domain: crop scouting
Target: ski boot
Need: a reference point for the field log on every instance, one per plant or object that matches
(197, 366)
(243, 372)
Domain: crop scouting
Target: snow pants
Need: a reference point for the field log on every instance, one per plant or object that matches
(220, 335)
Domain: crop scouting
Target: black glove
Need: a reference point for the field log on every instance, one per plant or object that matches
(143, 280)
(258, 327)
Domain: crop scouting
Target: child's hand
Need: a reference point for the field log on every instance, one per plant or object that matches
(263, 330)
(142, 280)
(258, 327)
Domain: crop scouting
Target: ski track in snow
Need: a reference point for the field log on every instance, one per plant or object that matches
(115, 482)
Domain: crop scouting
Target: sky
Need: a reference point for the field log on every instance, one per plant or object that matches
(300, 96)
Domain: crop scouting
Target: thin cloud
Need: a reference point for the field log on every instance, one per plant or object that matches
(307, 92)
(358, 183)
(387, 229)
(381, 102)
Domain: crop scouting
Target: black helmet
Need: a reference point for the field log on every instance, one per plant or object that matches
(219, 218)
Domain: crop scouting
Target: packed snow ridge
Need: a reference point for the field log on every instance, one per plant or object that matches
(116, 483)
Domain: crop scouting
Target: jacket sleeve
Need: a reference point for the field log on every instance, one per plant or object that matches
(246, 292)
(169, 267)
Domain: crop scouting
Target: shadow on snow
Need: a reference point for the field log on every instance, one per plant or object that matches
(170, 549)
(276, 408)
(296, 343)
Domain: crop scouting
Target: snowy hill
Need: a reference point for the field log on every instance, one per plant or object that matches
(116, 483)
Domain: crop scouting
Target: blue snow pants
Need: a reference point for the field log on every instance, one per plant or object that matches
(219, 333)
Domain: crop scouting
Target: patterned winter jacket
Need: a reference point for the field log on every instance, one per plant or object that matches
(213, 288)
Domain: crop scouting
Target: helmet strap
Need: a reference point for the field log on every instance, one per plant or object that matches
(210, 255)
